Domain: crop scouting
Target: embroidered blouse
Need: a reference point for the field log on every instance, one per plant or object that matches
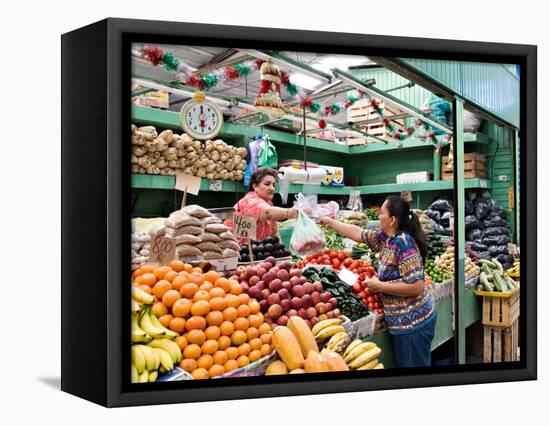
(400, 260)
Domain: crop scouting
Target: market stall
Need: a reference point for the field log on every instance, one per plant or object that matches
(211, 306)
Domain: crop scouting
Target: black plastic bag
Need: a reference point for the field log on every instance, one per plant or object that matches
(498, 211)
(473, 234)
(495, 231)
(491, 222)
(495, 250)
(471, 222)
(481, 207)
(442, 205)
(479, 247)
(433, 215)
(468, 207)
(505, 258)
(484, 254)
(496, 240)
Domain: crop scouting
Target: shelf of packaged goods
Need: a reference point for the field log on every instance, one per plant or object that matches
(171, 120)
(140, 181)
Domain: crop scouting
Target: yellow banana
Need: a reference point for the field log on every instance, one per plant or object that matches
(153, 375)
(136, 306)
(323, 324)
(369, 365)
(140, 296)
(149, 328)
(169, 346)
(365, 357)
(330, 331)
(358, 351)
(149, 356)
(138, 359)
(144, 377)
(352, 346)
(157, 359)
(379, 366)
(135, 374)
(165, 359)
(170, 334)
(138, 335)
(338, 342)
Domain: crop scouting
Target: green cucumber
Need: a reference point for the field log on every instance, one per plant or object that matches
(483, 279)
(488, 263)
(498, 266)
(499, 286)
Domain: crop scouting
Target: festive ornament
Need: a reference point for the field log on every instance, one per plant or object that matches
(291, 89)
(258, 63)
(195, 81)
(315, 107)
(170, 62)
(306, 102)
(209, 80)
(231, 73)
(243, 69)
(268, 99)
(322, 124)
(335, 109)
(285, 78)
(153, 54)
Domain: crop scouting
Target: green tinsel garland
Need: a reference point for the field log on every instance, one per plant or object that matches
(243, 69)
(170, 62)
(335, 109)
(291, 89)
(209, 80)
(314, 108)
(352, 99)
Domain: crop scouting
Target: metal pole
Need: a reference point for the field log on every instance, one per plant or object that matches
(305, 138)
(459, 239)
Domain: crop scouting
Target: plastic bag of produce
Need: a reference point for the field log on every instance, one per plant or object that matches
(496, 240)
(498, 211)
(306, 237)
(355, 202)
(442, 205)
(505, 258)
(495, 250)
(471, 222)
(495, 231)
(478, 247)
(433, 214)
(471, 122)
(481, 207)
(473, 234)
(468, 207)
(493, 222)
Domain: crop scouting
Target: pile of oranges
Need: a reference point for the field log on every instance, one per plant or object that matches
(220, 327)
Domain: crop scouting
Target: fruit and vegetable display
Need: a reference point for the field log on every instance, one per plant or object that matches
(425, 221)
(141, 244)
(324, 348)
(167, 153)
(283, 292)
(436, 274)
(215, 326)
(333, 239)
(446, 262)
(200, 235)
(493, 277)
(329, 257)
(350, 304)
(262, 249)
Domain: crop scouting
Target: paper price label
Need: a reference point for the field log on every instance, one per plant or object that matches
(215, 185)
(245, 226)
(347, 276)
(163, 250)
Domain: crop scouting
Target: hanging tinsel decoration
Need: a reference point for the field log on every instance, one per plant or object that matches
(209, 80)
(170, 63)
(231, 73)
(306, 102)
(268, 99)
(322, 124)
(315, 107)
(195, 81)
(153, 54)
(243, 69)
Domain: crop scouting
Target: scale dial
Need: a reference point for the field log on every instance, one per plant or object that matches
(201, 120)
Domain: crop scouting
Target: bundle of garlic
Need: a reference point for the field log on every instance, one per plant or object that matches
(141, 243)
(167, 153)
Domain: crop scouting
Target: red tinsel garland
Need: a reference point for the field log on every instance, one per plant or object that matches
(153, 54)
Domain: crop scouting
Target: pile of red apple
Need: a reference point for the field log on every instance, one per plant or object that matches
(283, 292)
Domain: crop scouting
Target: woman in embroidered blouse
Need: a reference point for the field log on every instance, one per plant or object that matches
(408, 305)
(258, 203)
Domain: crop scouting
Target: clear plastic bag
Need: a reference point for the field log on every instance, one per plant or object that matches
(355, 202)
(306, 237)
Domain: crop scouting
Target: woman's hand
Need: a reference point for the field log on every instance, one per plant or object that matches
(292, 213)
(327, 221)
(374, 284)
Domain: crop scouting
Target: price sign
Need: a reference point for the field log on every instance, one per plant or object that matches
(245, 226)
(163, 249)
(512, 249)
(215, 185)
(348, 277)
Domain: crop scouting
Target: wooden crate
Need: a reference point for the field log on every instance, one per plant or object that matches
(502, 310)
(361, 111)
(500, 344)
(474, 167)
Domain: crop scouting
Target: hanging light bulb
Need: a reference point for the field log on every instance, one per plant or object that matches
(268, 99)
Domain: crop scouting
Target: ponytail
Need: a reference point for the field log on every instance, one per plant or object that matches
(408, 222)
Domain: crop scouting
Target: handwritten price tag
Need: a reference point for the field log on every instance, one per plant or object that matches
(245, 226)
(163, 250)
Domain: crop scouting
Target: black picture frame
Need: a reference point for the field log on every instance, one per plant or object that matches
(96, 226)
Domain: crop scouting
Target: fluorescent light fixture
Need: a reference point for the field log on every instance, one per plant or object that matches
(343, 62)
(305, 81)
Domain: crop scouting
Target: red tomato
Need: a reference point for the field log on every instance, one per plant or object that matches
(326, 262)
(341, 256)
(380, 311)
(376, 305)
(335, 262)
(370, 299)
(347, 262)
(364, 301)
(313, 262)
(362, 295)
(356, 288)
(371, 306)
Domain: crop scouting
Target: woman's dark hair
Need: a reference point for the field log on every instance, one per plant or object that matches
(408, 222)
(259, 174)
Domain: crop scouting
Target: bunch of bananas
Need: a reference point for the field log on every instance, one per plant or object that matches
(153, 350)
(361, 355)
(159, 355)
(327, 328)
(514, 270)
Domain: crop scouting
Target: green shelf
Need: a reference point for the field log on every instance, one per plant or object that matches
(171, 120)
(140, 181)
